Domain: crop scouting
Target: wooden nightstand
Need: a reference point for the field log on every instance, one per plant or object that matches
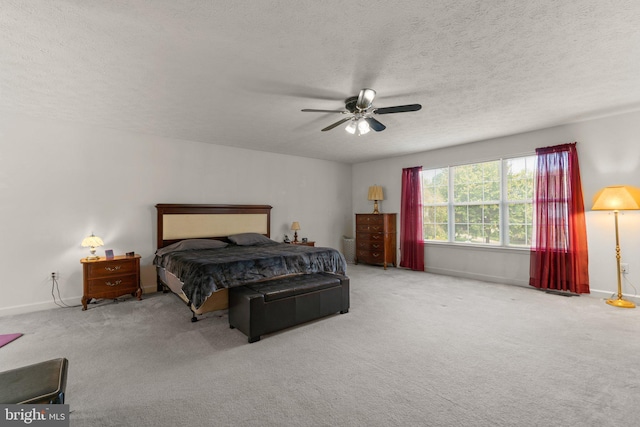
(110, 278)
(304, 243)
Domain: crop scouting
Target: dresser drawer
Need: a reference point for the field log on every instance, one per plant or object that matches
(370, 228)
(370, 245)
(112, 268)
(370, 237)
(372, 219)
(370, 257)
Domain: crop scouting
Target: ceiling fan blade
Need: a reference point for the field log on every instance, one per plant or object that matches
(398, 109)
(375, 125)
(311, 110)
(365, 99)
(338, 123)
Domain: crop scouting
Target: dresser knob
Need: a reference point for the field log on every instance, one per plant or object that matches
(116, 268)
(117, 282)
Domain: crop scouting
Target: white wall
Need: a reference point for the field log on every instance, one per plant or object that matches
(609, 154)
(59, 182)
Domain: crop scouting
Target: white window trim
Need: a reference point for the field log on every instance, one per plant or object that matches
(503, 207)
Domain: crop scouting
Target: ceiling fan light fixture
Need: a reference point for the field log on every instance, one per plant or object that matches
(360, 110)
(363, 127)
(358, 126)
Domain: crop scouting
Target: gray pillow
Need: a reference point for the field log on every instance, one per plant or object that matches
(190, 244)
(249, 239)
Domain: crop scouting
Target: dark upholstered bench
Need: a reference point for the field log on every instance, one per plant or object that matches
(38, 384)
(265, 307)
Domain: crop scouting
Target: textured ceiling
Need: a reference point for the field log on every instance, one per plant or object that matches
(238, 73)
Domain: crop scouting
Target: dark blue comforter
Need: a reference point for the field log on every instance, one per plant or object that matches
(204, 271)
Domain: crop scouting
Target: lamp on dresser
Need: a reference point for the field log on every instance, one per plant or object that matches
(375, 194)
(617, 198)
(295, 227)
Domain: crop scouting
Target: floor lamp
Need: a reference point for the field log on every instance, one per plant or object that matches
(617, 198)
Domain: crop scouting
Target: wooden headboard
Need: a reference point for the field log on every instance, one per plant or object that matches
(188, 221)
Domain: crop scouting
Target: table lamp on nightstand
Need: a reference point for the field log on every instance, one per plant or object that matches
(92, 242)
(295, 227)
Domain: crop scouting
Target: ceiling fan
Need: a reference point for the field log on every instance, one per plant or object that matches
(360, 111)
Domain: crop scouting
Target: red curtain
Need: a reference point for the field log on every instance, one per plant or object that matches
(559, 258)
(411, 237)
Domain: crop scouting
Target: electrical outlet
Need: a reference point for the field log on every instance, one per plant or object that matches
(54, 276)
(624, 267)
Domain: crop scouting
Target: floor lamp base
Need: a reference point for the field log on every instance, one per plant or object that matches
(621, 303)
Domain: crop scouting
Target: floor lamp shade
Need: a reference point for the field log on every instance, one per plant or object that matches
(617, 198)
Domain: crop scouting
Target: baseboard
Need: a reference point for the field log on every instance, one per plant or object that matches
(477, 276)
(595, 293)
(30, 308)
(605, 295)
(49, 305)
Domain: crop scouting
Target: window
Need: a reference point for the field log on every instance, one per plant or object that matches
(519, 174)
(476, 203)
(487, 203)
(435, 198)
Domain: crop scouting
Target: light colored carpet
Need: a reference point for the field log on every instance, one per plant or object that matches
(415, 349)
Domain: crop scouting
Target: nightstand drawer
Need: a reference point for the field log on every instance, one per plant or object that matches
(115, 283)
(111, 268)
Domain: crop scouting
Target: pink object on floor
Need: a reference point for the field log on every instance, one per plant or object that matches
(7, 338)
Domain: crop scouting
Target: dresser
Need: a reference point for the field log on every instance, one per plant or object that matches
(376, 239)
(110, 278)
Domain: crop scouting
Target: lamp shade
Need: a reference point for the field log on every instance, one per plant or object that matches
(92, 242)
(295, 226)
(351, 127)
(375, 193)
(617, 198)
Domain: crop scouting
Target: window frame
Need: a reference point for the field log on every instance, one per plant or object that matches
(503, 206)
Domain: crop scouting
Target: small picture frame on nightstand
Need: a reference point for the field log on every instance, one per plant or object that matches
(305, 240)
(108, 253)
(130, 254)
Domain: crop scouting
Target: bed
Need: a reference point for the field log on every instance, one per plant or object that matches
(203, 250)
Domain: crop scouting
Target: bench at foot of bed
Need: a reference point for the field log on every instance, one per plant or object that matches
(265, 307)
